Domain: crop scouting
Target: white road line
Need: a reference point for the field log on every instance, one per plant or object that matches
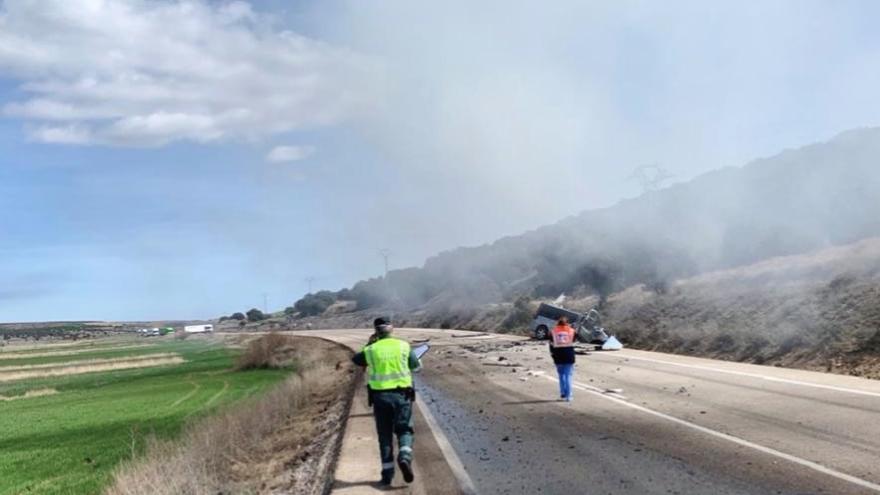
(588, 387)
(739, 441)
(464, 480)
(755, 375)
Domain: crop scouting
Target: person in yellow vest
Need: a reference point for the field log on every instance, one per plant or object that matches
(562, 350)
(390, 363)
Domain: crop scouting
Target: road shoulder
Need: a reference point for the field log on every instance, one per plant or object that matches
(358, 466)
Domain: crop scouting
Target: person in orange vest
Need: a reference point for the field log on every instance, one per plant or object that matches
(562, 350)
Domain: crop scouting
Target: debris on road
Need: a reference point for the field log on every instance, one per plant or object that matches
(503, 365)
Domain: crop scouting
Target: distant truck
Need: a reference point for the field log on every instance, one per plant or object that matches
(198, 328)
(588, 326)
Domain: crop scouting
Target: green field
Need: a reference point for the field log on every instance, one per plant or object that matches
(69, 442)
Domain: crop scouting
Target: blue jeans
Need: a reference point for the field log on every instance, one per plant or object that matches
(564, 371)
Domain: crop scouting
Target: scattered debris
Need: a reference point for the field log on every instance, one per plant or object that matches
(503, 365)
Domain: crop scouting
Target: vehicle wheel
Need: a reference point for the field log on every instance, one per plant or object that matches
(541, 332)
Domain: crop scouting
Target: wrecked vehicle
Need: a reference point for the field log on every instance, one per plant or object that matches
(587, 325)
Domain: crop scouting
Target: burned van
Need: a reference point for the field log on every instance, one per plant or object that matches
(588, 326)
(546, 318)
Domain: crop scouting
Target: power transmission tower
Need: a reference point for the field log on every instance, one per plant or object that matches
(385, 253)
(310, 281)
(650, 177)
(265, 303)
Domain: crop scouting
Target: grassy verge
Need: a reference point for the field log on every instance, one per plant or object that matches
(70, 442)
(282, 442)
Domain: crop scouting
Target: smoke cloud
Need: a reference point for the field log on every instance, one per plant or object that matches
(498, 117)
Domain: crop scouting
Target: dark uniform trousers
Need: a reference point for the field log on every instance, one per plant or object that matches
(393, 413)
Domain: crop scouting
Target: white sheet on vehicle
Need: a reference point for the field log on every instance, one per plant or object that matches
(612, 344)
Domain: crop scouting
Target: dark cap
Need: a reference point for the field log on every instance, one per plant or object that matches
(382, 326)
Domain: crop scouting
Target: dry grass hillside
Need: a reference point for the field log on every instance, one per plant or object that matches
(819, 310)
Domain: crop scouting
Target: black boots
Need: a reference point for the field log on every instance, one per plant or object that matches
(406, 468)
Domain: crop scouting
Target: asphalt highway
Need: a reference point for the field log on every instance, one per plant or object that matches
(640, 422)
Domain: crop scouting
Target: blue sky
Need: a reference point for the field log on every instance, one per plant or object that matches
(179, 159)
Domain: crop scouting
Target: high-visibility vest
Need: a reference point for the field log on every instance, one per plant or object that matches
(563, 336)
(388, 364)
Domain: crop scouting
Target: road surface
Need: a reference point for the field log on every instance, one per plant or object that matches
(640, 422)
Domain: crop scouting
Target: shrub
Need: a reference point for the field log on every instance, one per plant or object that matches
(520, 316)
(315, 304)
(238, 316)
(269, 351)
(255, 314)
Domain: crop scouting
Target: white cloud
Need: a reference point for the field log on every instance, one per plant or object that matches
(146, 73)
(68, 134)
(281, 154)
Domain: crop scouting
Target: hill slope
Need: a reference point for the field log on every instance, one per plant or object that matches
(795, 202)
(818, 311)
